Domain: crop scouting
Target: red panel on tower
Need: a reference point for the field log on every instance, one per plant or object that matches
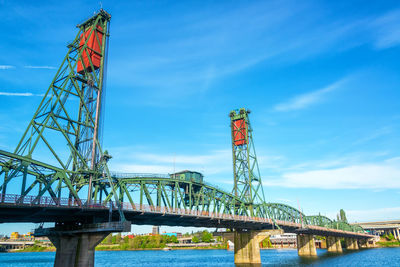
(239, 132)
(93, 49)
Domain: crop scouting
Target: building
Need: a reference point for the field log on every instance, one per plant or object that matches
(189, 176)
(156, 230)
(178, 235)
(14, 235)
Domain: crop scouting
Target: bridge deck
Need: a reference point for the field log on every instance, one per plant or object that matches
(46, 210)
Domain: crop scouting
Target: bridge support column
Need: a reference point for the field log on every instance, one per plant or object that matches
(351, 243)
(247, 245)
(364, 243)
(77, 249)
(306, 245)
(333, 244)
(75, 244)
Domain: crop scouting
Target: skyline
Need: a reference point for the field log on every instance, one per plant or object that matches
(320, 80)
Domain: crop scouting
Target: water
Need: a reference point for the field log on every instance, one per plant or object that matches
(179, 258)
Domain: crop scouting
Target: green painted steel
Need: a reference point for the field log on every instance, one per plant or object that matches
(246, 174)
(70, 113)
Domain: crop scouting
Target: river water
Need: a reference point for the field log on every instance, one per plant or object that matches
(179, 258)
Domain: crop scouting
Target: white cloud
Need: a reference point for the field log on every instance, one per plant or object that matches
(214, 162)
(305, 100)
(40, 67)
(387, 29)
(6, 67)
(370, 215)
(382, 175)
(19, 94)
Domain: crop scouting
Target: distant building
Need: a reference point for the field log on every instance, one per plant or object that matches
(178, 235)
(156, 230)
(14, 235)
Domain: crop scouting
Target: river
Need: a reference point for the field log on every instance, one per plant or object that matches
(179, 258)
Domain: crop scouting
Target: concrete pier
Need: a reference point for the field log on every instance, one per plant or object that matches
(247, 245)
(351, 243)
(75, 244)
(306, 245)
(333, 244)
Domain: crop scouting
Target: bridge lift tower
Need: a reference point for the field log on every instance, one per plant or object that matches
(246, 174)
(71, 113)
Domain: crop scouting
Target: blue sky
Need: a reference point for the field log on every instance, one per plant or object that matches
(320, 77)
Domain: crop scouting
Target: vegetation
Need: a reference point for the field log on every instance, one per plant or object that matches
(266, 243)
(37, 248)
(388, 240)
(342, 216)
(115, 242)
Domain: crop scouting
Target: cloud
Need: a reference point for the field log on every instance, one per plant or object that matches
(19, 94)
(40, 67)
(381, 175)
(387, 29)
(305, 100)
(370, 215)
(6, 67)
(374, 135)
(214, 162)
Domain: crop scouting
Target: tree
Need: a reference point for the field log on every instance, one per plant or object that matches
(195, 239)
(343, 216)
(118, 238)
(206, 236)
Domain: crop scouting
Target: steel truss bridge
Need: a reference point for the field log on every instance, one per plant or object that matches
(59, 172)
(145, 199)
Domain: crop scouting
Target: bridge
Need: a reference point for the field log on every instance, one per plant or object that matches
(10, 245)
(382, 227)
(59, 173)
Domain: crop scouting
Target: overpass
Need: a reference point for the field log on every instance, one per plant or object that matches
(382, 227)
(59, 173)
(11, 245)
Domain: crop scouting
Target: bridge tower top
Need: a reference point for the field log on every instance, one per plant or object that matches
(246, 174)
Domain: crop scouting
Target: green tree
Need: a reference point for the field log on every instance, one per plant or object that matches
(206, 236)
(118, 238)
(195, 239)
(343, 216)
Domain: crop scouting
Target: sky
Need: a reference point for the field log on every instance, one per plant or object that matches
(320, 77)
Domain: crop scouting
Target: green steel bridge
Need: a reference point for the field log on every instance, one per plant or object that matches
(59, 173)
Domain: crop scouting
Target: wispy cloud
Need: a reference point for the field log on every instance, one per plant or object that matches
(6, 67)
(214, 162)
(370, 215)
(305, 100)
(40, 67)
(374, 135)
(18, 94)
(380, 175)
(387, 29)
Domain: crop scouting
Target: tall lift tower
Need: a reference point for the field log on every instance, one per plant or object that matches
(246, 174)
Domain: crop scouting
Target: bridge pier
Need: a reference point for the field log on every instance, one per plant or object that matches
(75, 245)
(351, 243)
(306, 245)
(247, 245)
(333, 244)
